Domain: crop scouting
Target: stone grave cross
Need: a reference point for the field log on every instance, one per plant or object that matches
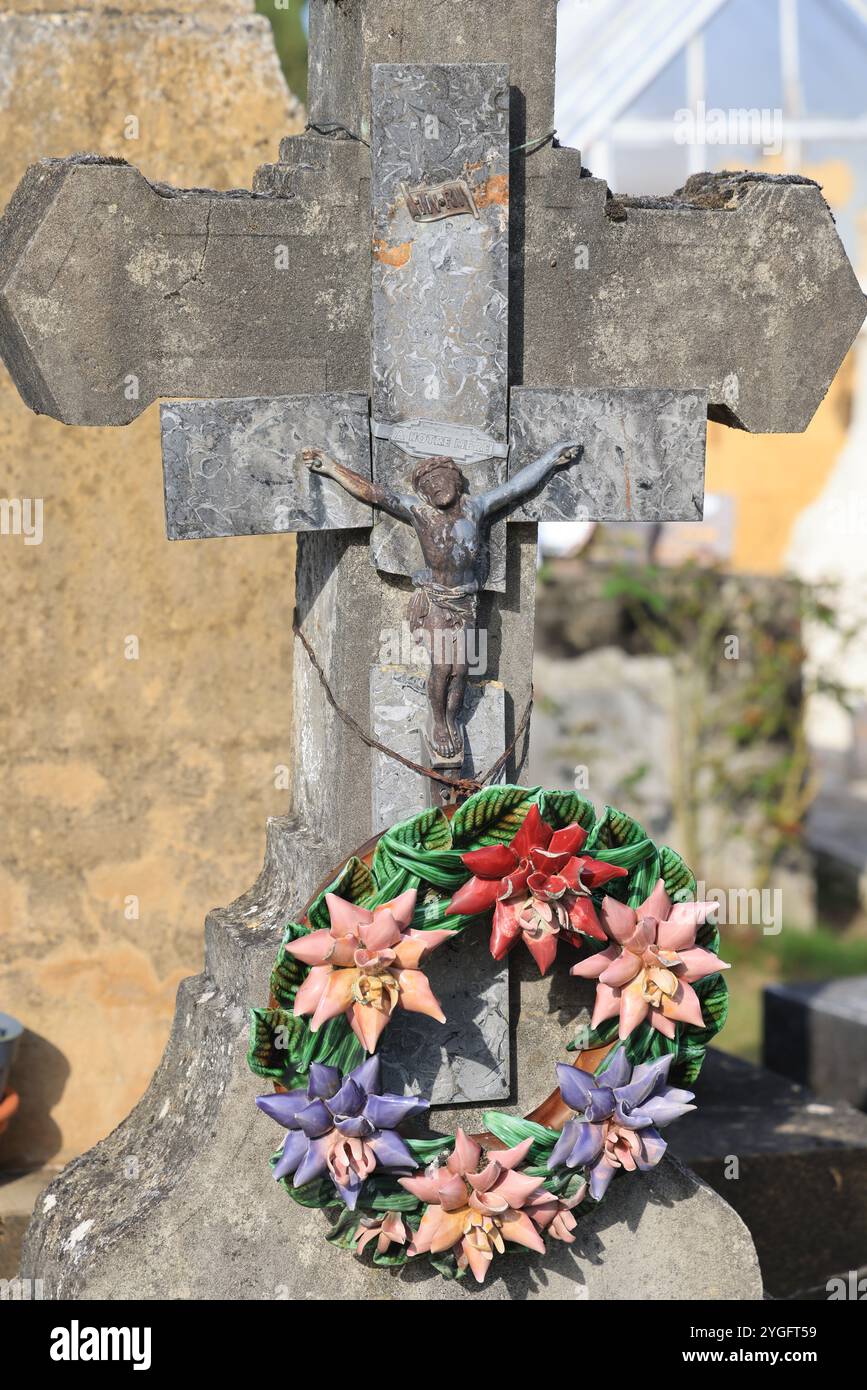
(539, 308)
(555, 310)
(114, 292)
(440, 261)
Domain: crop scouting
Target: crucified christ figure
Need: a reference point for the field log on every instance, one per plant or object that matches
(452, 529)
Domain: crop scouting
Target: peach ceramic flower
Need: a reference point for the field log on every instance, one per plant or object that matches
(473, 1213)
(365, 965)
(389, 1230)
(650, 968)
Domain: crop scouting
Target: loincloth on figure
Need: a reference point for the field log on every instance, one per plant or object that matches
(437, 608)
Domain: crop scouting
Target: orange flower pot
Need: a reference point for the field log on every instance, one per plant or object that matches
(8, 1106)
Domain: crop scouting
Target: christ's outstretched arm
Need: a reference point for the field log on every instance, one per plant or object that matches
(362, 488)
(515, 489)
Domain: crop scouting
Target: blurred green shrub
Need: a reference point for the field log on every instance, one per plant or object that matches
(286, 18)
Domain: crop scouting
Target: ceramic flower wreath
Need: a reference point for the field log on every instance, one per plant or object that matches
(540, 868)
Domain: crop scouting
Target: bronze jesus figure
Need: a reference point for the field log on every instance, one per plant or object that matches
(452, 529)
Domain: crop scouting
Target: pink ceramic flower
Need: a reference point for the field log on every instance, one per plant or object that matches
(391, 1229)
(473, 1213)
(650, 968)
(365, 966)
(553, 1215)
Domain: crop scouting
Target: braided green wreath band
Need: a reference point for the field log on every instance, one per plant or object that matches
(424, 853)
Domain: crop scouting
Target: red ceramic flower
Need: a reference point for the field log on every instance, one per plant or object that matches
(539, 887)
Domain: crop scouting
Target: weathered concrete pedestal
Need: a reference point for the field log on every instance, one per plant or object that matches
(179, 1202)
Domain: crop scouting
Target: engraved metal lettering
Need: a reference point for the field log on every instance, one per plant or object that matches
(454, 198)
(421, 439)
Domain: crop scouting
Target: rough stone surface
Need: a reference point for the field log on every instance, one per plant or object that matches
(147, 1214)
(148, 778)
(398, 711)
(185, 275)
(643, 456)
(817, 1034)
(192, 298)
(431, 125)
(800, 1179)
(234, 468)
(749, 295)
(466, 1059)
(347, 37)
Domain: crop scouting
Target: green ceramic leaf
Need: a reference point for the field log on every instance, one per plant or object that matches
(380, 1196)
(512, 1130)
(679, 878)
(318, 915)
(286, 978)
(643, 878)
(392, 1258)
(429, 830)
(492, 816)
(354, 883)
(345, 1230)
(274, 1034)
(708, 937)
(614, 830)
(565, 808)
(320, 1193)
(590, 1038)
(426, 1150)
(694, 1042)
(334, 1045)
(447, 1265)
(646, 1044)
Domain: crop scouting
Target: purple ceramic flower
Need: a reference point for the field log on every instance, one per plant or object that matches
(341, 1126)
(621, 1111)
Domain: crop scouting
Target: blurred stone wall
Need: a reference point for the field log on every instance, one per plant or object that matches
(618, 720)
(143, 779)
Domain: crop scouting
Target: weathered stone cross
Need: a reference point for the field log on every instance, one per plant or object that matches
(502, 311)
(440, 259)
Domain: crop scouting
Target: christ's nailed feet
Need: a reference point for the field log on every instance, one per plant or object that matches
(442, 740)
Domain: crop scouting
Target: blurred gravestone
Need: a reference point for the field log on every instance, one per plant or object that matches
(817, 1035)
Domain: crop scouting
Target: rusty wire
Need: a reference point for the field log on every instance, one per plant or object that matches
(455, 786)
